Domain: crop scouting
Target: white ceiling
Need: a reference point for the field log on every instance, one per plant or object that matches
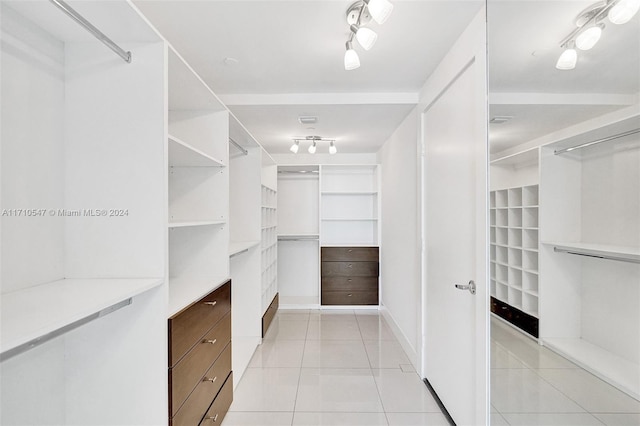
(289, 63)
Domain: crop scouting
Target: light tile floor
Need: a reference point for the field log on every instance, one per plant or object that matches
(331, 368)
(531, 385)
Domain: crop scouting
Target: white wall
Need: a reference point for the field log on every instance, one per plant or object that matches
(400, 241)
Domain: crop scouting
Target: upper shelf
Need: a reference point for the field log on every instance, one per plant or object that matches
(622, 253)
(36, 314)
(181, 154)
(187, 91)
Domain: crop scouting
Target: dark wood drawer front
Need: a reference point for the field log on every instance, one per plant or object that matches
(369, 297)
(193, 409)
(349, 269)
(349, 283)
(221, 405)
(186, 375)
(187, 327)
(354, 254)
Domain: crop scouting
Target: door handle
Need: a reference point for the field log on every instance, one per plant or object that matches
(471, 287)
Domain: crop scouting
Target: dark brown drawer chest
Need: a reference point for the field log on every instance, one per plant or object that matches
(200, 377)
(349, 275)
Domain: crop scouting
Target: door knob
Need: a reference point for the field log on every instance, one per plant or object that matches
(471, 287)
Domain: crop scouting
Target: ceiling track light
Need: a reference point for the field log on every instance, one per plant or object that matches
(314, 144)
(589, 27)
(359, 14)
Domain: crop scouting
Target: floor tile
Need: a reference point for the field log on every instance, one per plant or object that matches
(266, 389)
(523, 391)
(367, 312)
(555, 419)
(333, 330)
(619, 419)
(407, 368)
(417, 419)
(293, 315)
(502, 358)
(242, 418)
(534, 355)
(404, 392)
(385, 354)
(339, 419)
(337, 390)
(332, 314)
(286, 330)
(278, 353)
(335, 354)
(375, 329)
(593, 394)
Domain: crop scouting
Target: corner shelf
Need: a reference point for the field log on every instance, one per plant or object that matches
(36, 314)
(181, 154)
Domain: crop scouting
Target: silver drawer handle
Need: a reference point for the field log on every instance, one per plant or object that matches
(212, 304)
(350, 250)
(207, 379)
(213, 342)
(349, 279)
(214, 418)
(349, 294)
(350, 266)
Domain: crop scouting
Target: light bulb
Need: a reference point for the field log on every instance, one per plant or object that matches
(312, 148)
(589, 38)
(351, 59)
(365, 36)
(294, 148)
(332, 148)
(623, 11)
(568, 59)
(380, 10)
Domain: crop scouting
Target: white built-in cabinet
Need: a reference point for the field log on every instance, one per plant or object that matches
(84, 296)
(122, 203)
(321, 205)
(590, 251)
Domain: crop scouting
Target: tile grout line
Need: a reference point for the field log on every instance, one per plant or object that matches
(384, 411)
(304, 346)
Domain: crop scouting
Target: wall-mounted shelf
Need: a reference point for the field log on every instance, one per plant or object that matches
(181, 154)
(611, 252)
(237, 247)
(33, 315)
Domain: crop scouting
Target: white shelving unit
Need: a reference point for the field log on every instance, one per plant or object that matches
(298, 249)
(198, 186)
(349, 205)
(589, 253)
(514, 247)
(269, 276)
(82, 279)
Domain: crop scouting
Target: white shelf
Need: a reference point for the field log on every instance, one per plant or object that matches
(35, 312)
(610, 367)
(362, 219)
(196, 223)
(291, 236)
(181, 154)
(184, 292)
(236, 247)
(349, 192)
(625, 253)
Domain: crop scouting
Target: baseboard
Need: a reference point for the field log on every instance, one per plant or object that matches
(404, 342)
(269, 314)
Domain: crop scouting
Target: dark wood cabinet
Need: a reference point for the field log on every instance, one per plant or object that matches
(200, 358)
(349, 275)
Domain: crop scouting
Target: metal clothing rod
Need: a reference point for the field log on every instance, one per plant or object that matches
(239, 253)
(67, 328)
(607, 139)
(597, 256)
(298, 238)
(237, 145)
(68, 10)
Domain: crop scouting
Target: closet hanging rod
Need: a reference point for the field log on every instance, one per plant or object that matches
(239, 253)
(60, 331)
(597, 256)
(69, 11)
(237, 145)
(607, 139)
(298, 238)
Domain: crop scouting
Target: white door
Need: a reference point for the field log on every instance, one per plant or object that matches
(455, 246)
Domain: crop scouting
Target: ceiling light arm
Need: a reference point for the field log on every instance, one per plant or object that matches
(595, 18)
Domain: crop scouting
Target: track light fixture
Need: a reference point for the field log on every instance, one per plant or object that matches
(359, 14)
(589, 28)
(314, 144)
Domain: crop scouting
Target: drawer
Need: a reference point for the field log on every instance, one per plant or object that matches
(191, 412)
(185, 375)
(368, 297)
(220, 405)
(349, 283)
(187, 327)
(350, 269)
(354, 254)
